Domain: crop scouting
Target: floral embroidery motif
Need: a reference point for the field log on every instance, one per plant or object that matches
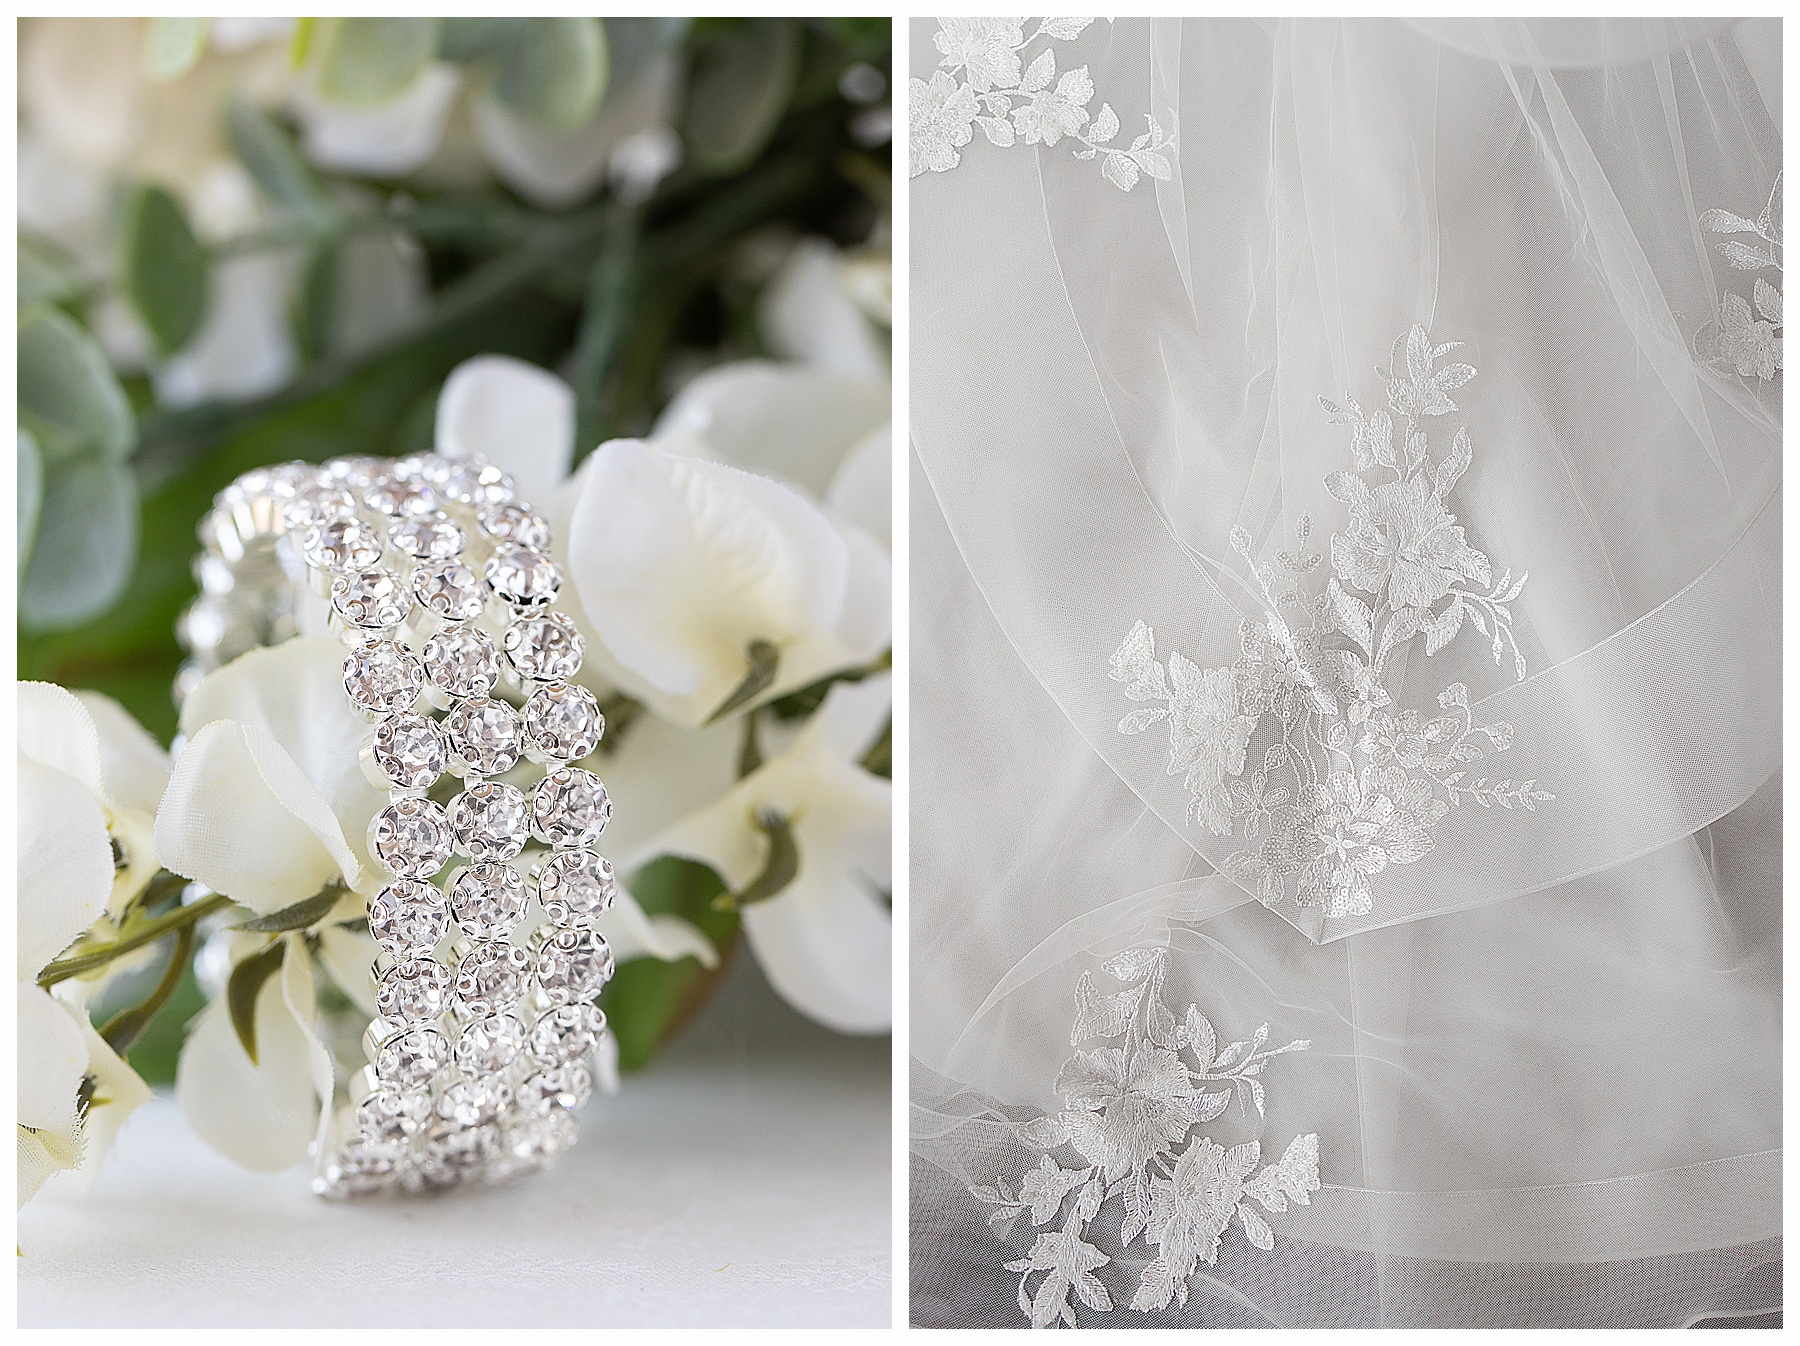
(1129, 1111)
(1746, 342)
(1342, 787)
(1014, 103)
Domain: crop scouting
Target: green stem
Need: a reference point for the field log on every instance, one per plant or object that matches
(149, 931)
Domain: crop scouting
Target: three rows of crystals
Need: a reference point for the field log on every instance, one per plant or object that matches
(453, 1052)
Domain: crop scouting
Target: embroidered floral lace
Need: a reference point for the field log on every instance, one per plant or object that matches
(1130, 1112)
(985, 82)
(1343, 787)
(1739, 339)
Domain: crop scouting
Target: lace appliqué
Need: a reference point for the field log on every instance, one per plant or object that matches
(1014, 103)
(1128, 1112)
(1342, 787)
(1739, 338)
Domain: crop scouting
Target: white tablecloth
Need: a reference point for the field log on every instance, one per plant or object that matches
(743, 1180)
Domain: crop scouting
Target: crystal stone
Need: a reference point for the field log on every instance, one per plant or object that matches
(462, 662)
(541, 1138)
(564, 723)
(477, 483)
(488, 1045)
(490, 821)
(409, 749)
(560, 1086)
(355, 473)
(382, 677)
(412, 989)
(450, 589)
(343, 543)
(523, 577)
(573, 965)
(491, 976)
(570, 808)
(544, 648)
(410, 1060)
(408, 916)
(472, 1102)
(576, 886)
(411, 837)
(371, 599)
(400, 498)
(515, 524)
(487, 899)
(317, 503)
(484, 737)
(567, 1033)
(390, 1115)
(428, 537)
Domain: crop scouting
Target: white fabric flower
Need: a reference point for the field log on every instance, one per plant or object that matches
(88, 776)
(679, 565)
(807, 312)
(381, 140)
(825, 940)
(515, 415)
(268, 802)
(245, 345)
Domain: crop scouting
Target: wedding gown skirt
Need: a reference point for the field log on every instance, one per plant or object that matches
(1345, 712)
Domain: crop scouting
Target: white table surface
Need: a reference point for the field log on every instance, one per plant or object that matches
(744, 1179)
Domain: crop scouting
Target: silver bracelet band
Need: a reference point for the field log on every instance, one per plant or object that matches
(440, 583)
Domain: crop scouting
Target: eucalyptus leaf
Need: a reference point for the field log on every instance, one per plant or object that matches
(86, 542)
(31, 493)
(246, 983)
(267, 153)
(470, 39)
(552, 70)
(47, 274)
(370, 61)
(69, 397)
(162, 267)
(634, 45)
(172, 46)
(742, 77)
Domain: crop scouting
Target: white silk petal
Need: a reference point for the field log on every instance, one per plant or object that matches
(118, 1092)
(679, 564)
(133, 764)
(260, 1115)
(807, 314)
(633, 934)
(52, 1060)
(658, 773)
(827, 947)
(518, 416)
(865, 626)
(387, 140)
(242, 818)
(785, 421)
(57, 730)
(295, 691)
(845, 727)
(862, 490)
(347, 956)
(65, 864)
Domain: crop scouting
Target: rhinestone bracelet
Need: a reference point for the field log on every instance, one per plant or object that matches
(439, 581)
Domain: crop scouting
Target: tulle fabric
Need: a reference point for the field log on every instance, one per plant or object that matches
(1545, 1067)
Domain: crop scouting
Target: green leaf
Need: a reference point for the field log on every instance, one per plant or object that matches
(648, 1000)
(69, 397)
(162, 267)
(309, 911)
(158, 1047)
(124, 1029)
(634, 45)
(87, 536)
(470, 39)
(552, 70)
(369, 61)
(315, 299)
(246, 983)
(172, 46)
(267, 153)
(765, 659)
(778, 871)
(879, 759)
(743, 75)
(31, 494)
(47, 274)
